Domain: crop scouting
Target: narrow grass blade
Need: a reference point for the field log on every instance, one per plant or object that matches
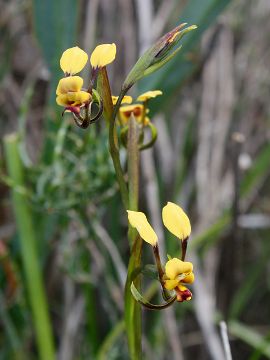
(28, 241)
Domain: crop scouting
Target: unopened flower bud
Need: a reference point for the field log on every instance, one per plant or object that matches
(158, 55)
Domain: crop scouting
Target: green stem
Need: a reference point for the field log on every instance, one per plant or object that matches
(133, 171)
(114, 151)
(129, 197)
(130, 200)
(132, 307)
(28, 241)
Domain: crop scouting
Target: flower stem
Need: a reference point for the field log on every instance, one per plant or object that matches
(166, 295)
(184, 248)
(114, 151)
(132, 307)
(130, 197)
(28, 242)
(133, 171)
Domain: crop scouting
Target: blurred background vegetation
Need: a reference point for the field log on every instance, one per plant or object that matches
(212, 157)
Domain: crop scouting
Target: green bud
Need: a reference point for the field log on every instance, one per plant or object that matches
(158, 55)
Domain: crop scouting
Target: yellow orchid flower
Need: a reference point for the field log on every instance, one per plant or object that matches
(139, 221)
(103, 55)
(73, 60)
(177, 273)
(149, 95)
(176, 221)
(126, 99)
(138, 112)
(70, 95)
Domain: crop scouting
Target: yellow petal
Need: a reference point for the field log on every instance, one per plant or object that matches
(78, 98)
(171, 284)
(139, 221)
(103, 55)
(73, 98)
(62, 100)
(146, 121)
(70, 83)
(176, 267)
(149, 95)
(176, 220)
(73, 60)
(126, 99)
(189, 279)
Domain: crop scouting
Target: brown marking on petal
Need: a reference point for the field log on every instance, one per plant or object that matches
(137, 111)
(168, 38)
(185, 295)
(73, 109)
(172, 34)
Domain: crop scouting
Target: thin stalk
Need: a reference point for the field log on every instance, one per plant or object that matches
(28, 241)
(132, 307)
(129, 197)
(114, 151)
(133, 171)
(184, 245)
(166, 295)
(158, 263)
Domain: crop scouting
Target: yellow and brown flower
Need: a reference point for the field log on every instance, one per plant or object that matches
(178, 273)
(70, 94)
